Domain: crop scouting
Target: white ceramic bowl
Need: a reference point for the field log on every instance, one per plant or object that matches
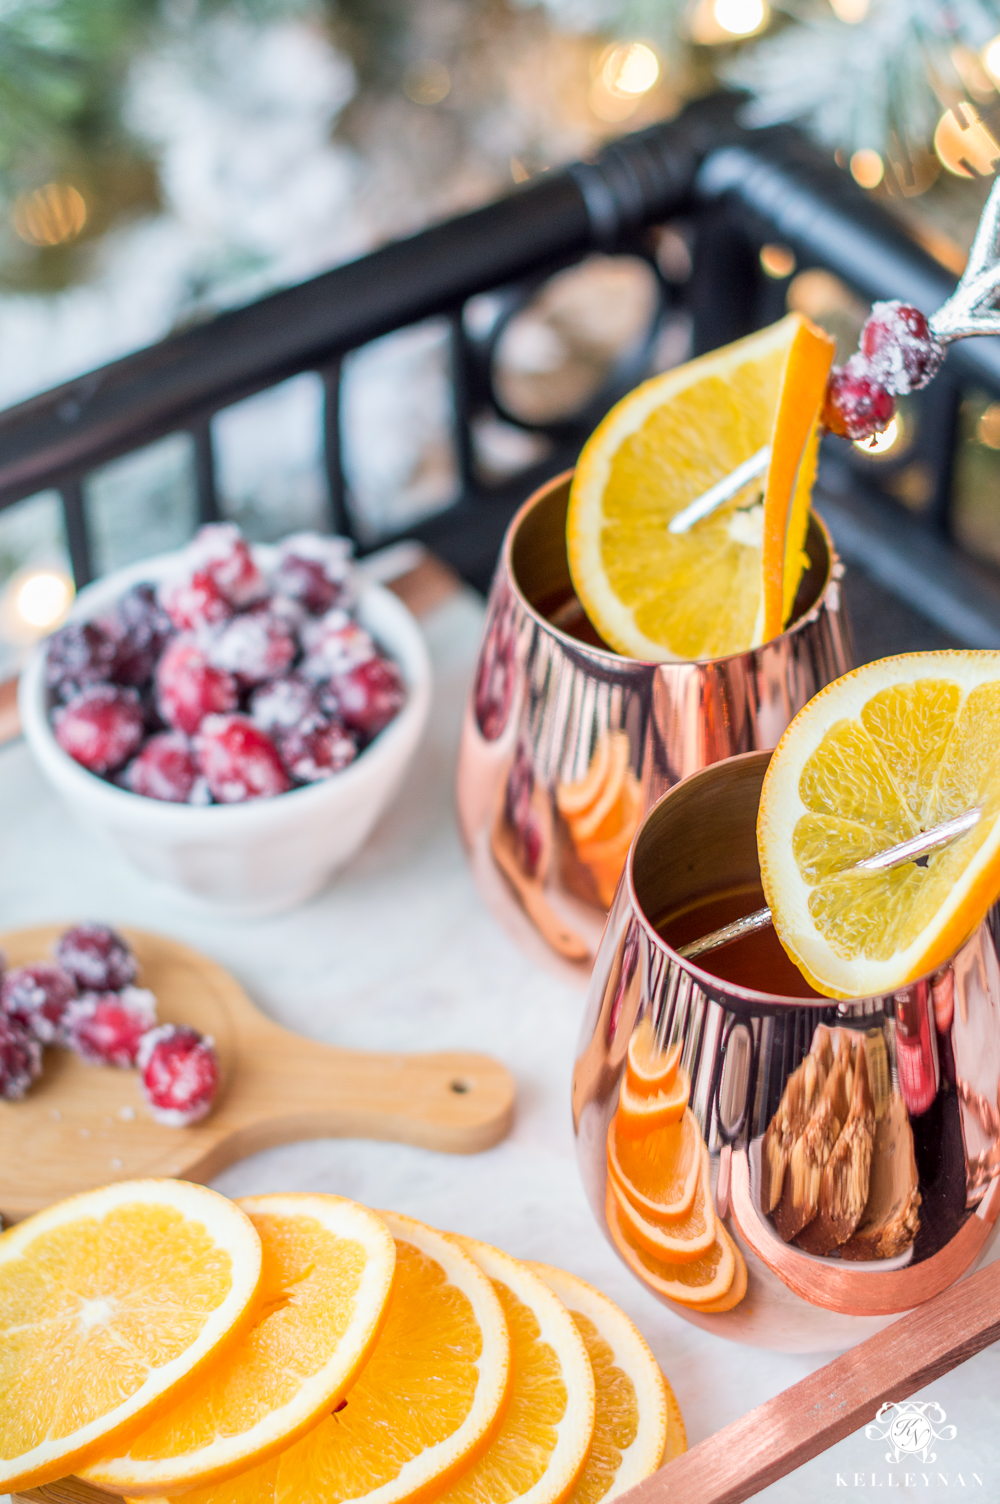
(241, 860)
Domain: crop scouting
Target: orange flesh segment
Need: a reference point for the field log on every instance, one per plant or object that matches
(638, 1115)
(696, 1284)
(650, 1068)
(679, 1242)
(658, 1172)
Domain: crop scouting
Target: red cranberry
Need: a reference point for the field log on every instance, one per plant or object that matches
(105, 1028)
(285, 703)
(20, 1059)
(97, 958)
(179, 1073)
(38, 997)
(899, 347)
(315, 571)
(139, 629)
(369, 696)
(215, 576)
(79, 654)
(857, 405)
(194, 601)
(253, 647)
(334, 645)
(315, 751)
(166, 768)
(188, 688)
(494, 691)
(101, 727)
(239, 760)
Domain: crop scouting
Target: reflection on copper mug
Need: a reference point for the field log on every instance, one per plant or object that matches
(905, 1199)
(566, 744)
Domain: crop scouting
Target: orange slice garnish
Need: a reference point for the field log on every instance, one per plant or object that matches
(658, 1172)
(737, 1289)
(651, 1068)
(638, 1115)
(679, 1242)
(696, 1284)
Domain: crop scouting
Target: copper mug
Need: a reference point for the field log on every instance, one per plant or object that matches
(555, 717)
(748, 1027)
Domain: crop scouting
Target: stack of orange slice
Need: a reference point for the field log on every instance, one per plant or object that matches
(304, 1347)
(602, 813)
(659, 1199)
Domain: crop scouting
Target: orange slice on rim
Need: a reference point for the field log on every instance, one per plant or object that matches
(650, 1068)
(658, 1172)
(699, 1284)
(638, 1115)
(679, 1242)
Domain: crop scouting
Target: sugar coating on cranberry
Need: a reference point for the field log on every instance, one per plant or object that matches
(139, 629)
(316, 571)
(79, 654)
(239, 760)
(284, 703)
(857, 404)
(179, 1074)
(369, 696)
(106, 1028)
(189, 687)
(334, 645)
(97, 958)
(253, 647)
(37, 997)
(899, 347)
(101, 727)
(314, 752)
(20, 1059)
(166, 769)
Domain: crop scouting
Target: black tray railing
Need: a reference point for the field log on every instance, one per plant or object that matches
(732, 189)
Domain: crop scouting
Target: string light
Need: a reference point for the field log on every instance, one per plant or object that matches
(990, 59)
(623, 74)
(882, 442)
(867, 167)
(964, 144)
(33, 602)
(740, 17)
(51, 215)
(777, 261)
(851, 11)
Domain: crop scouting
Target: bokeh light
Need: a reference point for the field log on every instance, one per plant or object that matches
(882, 442)
(427, 83)
(740, 17)
(630, 68)
(867, 167)
(964, 144)
(777, 261)
(51, 215)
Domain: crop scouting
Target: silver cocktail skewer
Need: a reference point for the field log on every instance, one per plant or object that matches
(723, 490)
(895, 856)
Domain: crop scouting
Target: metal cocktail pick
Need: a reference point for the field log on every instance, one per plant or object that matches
(895, 856)
(969, 310)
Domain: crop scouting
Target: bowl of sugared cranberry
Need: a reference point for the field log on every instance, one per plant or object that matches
(233, 718)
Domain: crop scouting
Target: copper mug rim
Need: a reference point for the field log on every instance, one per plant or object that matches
(608, 655)
(707, 980)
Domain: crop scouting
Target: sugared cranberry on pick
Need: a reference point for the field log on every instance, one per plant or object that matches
(106, 1028)
(369, 696)
(239, 760)
(37, 997)
(188, 687)
(20, 1059)
(166, 769)
(101, 727)
(179, 1074)
(857, 404)
(97, 958)
(79, 654)
(899, 347)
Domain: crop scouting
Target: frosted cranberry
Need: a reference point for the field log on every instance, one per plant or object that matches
(101, 727)
(312, 752)
(20, 1059)
(253, 647)
(166, 769)
(899, 347)
(38, 997)
(285, 703)
(79, 654)
(188, 687)
(369, 696)
(106, 1028)
(179, 1074)
(334, 645)
(238, 760)
(215, 576)
(315, 571)
(139, 629)
(857, 405)
(194, 601)
(97, 958)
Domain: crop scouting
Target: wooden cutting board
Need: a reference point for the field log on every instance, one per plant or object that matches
(82, 1126)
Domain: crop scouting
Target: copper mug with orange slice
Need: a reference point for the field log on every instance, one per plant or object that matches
(570, 736)
(789, 1164)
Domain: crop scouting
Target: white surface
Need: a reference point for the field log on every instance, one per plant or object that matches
(400, 952)
(258, 858)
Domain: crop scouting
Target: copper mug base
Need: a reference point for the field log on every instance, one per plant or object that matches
(937, 1042)
(549, 699)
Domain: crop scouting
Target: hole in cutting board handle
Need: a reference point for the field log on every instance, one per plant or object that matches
(460, 1087)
